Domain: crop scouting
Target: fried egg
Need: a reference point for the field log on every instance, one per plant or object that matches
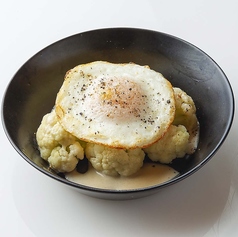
(118, 105)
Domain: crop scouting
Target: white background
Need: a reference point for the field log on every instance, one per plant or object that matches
(205, 204)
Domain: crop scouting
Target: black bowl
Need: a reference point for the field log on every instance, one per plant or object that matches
(32, 92)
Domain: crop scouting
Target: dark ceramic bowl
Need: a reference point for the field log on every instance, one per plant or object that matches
(32, 92)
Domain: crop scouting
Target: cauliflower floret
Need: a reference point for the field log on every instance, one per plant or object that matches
(185, 114)
(182, 136)
(173, 145)
(61, 149)
(112, 161)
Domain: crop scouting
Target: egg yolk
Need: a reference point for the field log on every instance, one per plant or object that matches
(116, 98)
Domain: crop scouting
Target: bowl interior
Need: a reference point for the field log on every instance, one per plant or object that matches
(32, 91)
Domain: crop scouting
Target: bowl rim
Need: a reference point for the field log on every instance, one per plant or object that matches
(136, 190)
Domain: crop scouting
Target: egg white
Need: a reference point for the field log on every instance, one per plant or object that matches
(118, 105)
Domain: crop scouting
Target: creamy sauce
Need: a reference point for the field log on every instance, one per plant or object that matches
(149, 175)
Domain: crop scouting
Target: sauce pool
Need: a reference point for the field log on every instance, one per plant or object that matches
(150, 174)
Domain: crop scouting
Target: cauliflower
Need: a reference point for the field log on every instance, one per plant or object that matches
(185, 114)
(61, 149)
(181, 137)
(173, 145)
(112, 161)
